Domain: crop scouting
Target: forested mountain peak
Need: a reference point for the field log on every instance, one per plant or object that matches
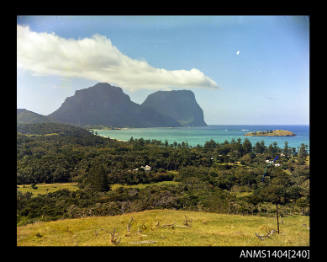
(28, 117)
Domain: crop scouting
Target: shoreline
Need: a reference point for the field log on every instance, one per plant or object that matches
(200, 135)
(207, 126)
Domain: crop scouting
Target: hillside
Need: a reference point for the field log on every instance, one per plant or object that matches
(180, 105)
(45, 151)
(103, 104)
(193, 179)
(166, 228)
(28, 117)
(52, 128)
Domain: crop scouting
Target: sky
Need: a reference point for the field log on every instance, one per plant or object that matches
(243, 70)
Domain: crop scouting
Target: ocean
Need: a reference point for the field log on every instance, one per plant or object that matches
(219, 133)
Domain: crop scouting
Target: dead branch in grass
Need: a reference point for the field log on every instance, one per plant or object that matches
(172, 226)
(268, 235)
(129, 225)
(181, 226)
(156, 225)
(140, 229)
(114, 238)
(188, 222)
(143, 242)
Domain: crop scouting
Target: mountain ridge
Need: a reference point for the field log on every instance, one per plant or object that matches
(107, 105)
(25, 116)
(103, 104)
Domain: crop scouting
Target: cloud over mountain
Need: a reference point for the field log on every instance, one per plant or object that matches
(97, 59)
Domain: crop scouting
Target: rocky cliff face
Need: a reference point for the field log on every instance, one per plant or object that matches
(180, 105)
(107, 105)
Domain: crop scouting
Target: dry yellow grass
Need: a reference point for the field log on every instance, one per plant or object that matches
(47, 188)
(207, 229)
(141, 186)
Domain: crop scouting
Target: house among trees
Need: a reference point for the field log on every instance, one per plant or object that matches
(146, 168)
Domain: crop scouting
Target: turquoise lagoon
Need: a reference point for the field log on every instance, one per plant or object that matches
(219, 133)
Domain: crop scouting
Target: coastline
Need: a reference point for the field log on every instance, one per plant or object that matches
(199, 135)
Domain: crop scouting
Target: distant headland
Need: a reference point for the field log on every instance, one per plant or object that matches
(271, 133)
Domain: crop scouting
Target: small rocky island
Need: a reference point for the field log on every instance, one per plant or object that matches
(271, 133)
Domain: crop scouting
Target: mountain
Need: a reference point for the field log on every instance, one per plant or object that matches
(103, 104)
(177, 104)
(52, 128)
(28, 117)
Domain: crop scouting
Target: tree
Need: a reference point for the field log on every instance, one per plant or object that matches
(210, 144)
(303, 203)
(237, 147)
(247, 146)
(303, 151)
(286, 149)
(279, 191)
(260, 147)
(141, 142)
(97, 179)
(246, 159)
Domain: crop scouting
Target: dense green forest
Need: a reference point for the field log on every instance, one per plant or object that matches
(217, 177)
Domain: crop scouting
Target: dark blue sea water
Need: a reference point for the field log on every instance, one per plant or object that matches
(219, 133)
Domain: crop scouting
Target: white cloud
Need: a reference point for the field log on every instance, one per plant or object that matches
(97, 59)
(238, 52)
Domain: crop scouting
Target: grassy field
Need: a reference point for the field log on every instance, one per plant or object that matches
(141, 186)
(46, 188)
(50, 134)
(241, 194)
(205, 229)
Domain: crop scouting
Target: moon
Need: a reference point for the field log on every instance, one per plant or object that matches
(237, 52)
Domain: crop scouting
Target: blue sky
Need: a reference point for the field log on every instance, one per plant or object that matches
(242, 69)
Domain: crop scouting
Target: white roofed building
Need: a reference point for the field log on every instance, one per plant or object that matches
(146, 168)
